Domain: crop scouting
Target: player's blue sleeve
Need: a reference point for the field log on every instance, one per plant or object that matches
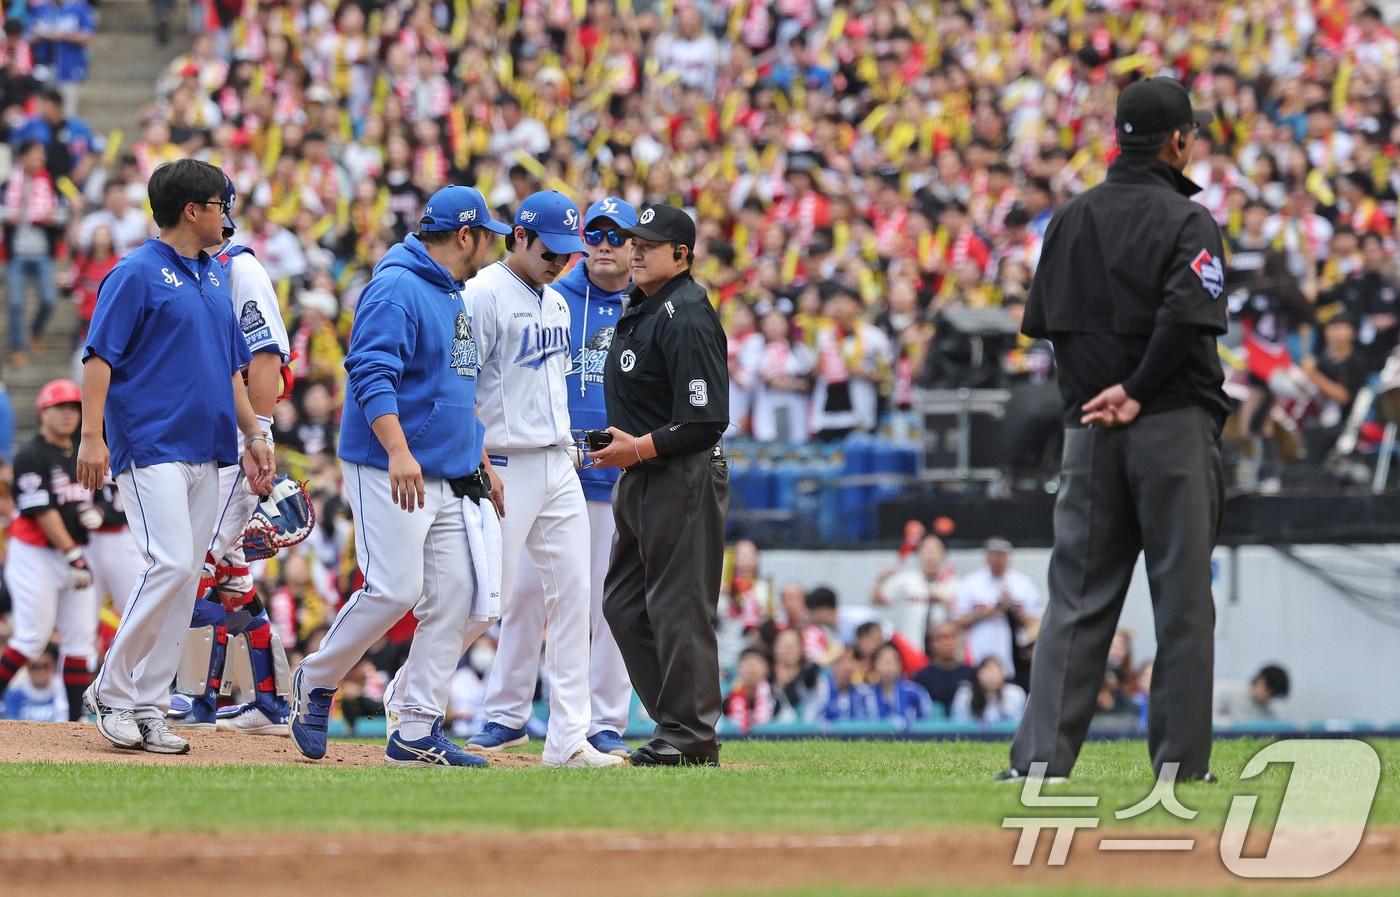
(381, 342)
(121, 303)
(240, 356)
(87, 20)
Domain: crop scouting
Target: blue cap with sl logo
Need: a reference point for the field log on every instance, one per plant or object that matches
(618, 211)
(554, 217)
(453, 208)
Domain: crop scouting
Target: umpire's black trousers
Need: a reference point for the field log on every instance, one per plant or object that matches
(1154, 487)
(661, 594)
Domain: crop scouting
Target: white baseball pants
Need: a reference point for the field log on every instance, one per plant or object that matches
(171, 509)
(236, 506)
(418, 561)
(515, 674)
(41, 588)
(116, 564)
(546, 523)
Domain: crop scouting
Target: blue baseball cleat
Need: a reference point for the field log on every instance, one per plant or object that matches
(435, 749)
(179, 705)
(309, 715)
(201, 716)
(609, 742)
(496, 737)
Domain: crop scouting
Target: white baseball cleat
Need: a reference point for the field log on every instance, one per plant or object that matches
(589, 757)
(157, 738)
(119, 727)
(252, 720)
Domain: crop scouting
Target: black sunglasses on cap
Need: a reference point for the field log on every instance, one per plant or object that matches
(596, 237)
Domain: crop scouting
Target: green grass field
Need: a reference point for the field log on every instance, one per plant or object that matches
(811, 786)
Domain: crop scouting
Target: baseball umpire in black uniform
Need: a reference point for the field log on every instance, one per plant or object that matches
(1130, 291)
(666, 385)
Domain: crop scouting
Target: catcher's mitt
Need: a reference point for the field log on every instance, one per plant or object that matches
(285, 517)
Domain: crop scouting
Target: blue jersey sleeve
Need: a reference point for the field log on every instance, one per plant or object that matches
(381, 342)
(240, 357)
(121, 303)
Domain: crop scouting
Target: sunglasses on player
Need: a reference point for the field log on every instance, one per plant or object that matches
(596, 237)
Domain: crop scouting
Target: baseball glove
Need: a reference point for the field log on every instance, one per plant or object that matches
(284, 518)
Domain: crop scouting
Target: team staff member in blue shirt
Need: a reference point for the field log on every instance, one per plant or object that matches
(162, 370)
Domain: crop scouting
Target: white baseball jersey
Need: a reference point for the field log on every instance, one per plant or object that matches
(254, 301)
(523, 340)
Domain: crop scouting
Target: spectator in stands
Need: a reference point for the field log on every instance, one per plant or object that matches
(361, 693)
(919, 597)
(33, 219)
(989, 698)
(1338, 372)
(843, 699)
(1372, 297)
(129, 227)
(853, 363)
(746, 597)
(1236, 702)
(300, 606)
(37, 696)
(318, 347)
(820, 642)
(867, 642)
(896, 698)
(797, 678)
(998, 608)
(94, 260)
(71, 147)
(752, 701)
(782, 388)
(68, 27)
(316, 429)
(946, 671)
(1113, 702)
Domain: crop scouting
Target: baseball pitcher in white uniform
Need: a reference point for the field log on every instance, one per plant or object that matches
(522, 327)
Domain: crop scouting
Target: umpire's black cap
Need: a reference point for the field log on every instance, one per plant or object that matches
(661, 223)
(1149, 110)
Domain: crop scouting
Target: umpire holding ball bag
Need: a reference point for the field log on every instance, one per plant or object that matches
(667, 393)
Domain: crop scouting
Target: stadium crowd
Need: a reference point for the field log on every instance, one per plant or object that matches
(859, 169)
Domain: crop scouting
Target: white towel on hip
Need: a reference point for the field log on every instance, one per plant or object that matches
(484, 543)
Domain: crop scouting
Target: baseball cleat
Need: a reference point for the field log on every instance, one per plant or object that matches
(609, 742)
(157, 738)
(250, 719)
(310, 714)
(496, 737)
(589, 757)
(118, 727)
(1015, 775)
(202, 717)
(434, 749)
(180, 706)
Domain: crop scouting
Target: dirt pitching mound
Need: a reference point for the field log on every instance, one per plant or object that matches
(82, 743)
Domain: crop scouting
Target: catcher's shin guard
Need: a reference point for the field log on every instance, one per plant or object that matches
(268, 659)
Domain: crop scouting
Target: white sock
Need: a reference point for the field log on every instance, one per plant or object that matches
(412, 730)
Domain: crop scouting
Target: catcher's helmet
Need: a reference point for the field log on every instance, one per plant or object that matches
(229, 197)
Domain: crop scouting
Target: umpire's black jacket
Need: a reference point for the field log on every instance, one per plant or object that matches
(1118, 260)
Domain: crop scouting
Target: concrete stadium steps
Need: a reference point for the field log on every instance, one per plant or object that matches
(125, 62)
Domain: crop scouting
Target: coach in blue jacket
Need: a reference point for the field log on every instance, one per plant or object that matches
(411, 450)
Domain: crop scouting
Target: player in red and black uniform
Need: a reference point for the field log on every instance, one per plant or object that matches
(45, 571)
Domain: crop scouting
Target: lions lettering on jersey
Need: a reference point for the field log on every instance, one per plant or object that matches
(465, 360)
(591, 358)
(539, 344)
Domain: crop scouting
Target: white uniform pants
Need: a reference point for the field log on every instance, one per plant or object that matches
(116, 564)
(236, 506)
(610, 689)
(416, 561)
(41, 587)
(547, 522)
(171, 509)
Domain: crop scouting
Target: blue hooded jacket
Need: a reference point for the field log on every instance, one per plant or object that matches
(412, 354)
(593, 314)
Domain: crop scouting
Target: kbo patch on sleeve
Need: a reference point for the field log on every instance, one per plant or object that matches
(1211, 271)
